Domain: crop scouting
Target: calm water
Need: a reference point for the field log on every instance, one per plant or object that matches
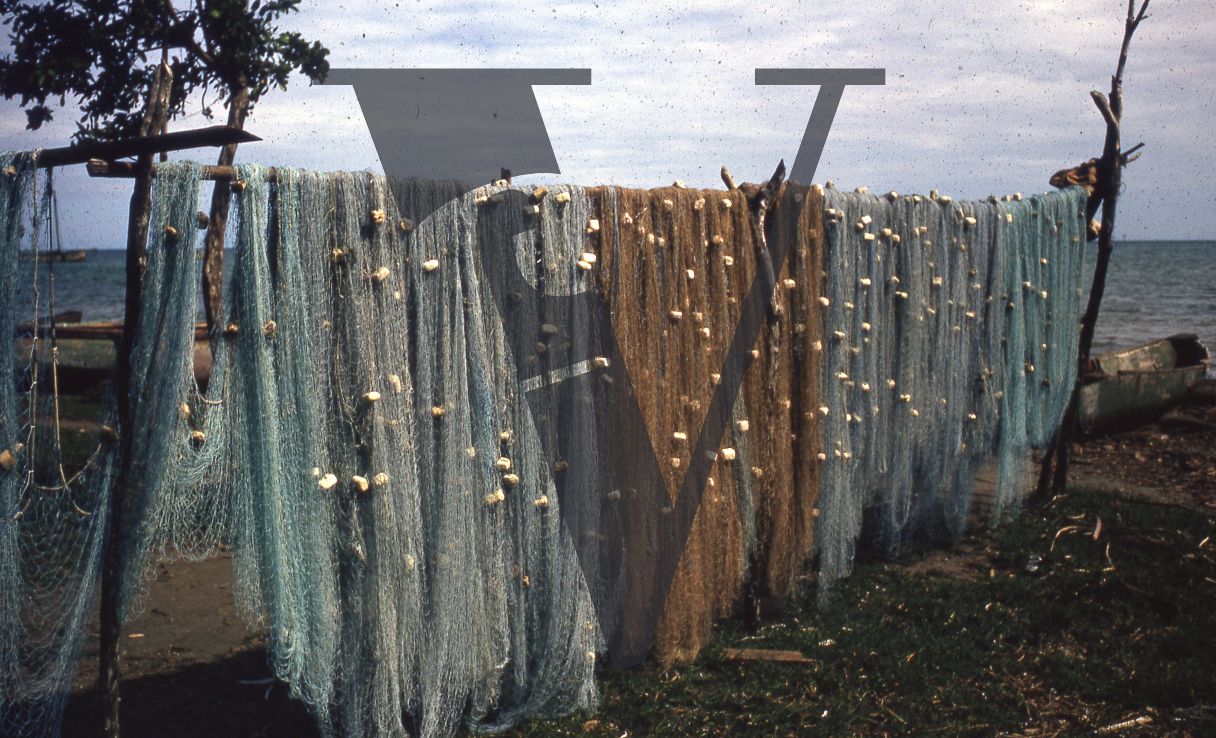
(95, 286)
(1155, 288)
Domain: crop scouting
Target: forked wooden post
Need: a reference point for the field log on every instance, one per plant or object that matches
(1110, 178)
(152, 141)
(155, 117)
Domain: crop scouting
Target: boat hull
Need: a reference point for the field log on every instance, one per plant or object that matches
(1130, 388)
(87, 352)
(58, 256)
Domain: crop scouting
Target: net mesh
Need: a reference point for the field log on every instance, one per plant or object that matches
(351, 437)
(365, 442)
(951, 337)
(51, 522)
(675, 265)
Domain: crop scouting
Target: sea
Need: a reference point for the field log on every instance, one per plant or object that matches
(1154, 289)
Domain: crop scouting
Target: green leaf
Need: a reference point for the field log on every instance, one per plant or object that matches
(97, 53)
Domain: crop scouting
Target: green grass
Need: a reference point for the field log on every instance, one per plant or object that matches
(1082, 642)
(1101, 631)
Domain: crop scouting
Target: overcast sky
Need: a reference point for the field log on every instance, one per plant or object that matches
(980, 99)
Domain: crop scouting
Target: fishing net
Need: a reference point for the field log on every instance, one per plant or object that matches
(360, 447)
(951, 337)
(675, 264)
(52, 520)
(375, 442)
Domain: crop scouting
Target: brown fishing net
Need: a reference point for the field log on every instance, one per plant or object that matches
(674, 266)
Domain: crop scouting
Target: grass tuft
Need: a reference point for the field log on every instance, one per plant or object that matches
(1038, 628)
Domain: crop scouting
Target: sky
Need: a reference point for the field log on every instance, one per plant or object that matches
(980, 98)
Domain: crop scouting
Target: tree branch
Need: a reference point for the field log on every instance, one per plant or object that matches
(156, 113)
(1142, 14)
(727, 179)
(1104, 108)
(221, 197)
(760, 202)
(199, 51)
(1110, 179)
(1129, 30)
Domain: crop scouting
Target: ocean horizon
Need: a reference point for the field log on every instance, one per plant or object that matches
(1155, 288)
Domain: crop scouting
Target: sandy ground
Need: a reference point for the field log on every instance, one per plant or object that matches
(193, 667)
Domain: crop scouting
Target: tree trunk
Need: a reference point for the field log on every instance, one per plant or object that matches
(154, 120)
(221, 198)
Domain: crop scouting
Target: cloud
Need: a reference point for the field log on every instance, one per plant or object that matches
(980, 98)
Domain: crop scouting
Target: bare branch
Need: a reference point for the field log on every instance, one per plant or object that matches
(193, 45)
(1104, 107)
(1129, 30)
(778, 177)
(1142, 14)
(1106, 190)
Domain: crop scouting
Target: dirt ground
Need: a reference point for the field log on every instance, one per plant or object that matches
(1172, 461)
(193, 667)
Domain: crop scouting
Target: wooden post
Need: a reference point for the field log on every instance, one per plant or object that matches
(155, 117)
(1110, 178)
(221, 198)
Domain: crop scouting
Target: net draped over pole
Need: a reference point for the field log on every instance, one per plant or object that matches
(51, 525)
(364, 444)
(949, 332)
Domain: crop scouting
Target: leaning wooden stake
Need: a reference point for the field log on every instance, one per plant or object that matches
(221, 199)
(1110, 178)
(155, 117)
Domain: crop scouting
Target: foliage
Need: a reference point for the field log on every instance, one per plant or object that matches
(102, 54)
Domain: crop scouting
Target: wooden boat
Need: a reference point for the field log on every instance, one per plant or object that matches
(58, 256)
(1126, 389)
(87, 352)
(58, 319)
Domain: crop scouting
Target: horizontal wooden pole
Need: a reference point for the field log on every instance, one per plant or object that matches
(94, 331)
(212, 136)
(128, 170)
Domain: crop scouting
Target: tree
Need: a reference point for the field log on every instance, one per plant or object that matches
(130, 67)
(103, 54)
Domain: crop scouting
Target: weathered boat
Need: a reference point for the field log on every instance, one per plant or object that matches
(87, 352)
(48, 256)
(1126, 389)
